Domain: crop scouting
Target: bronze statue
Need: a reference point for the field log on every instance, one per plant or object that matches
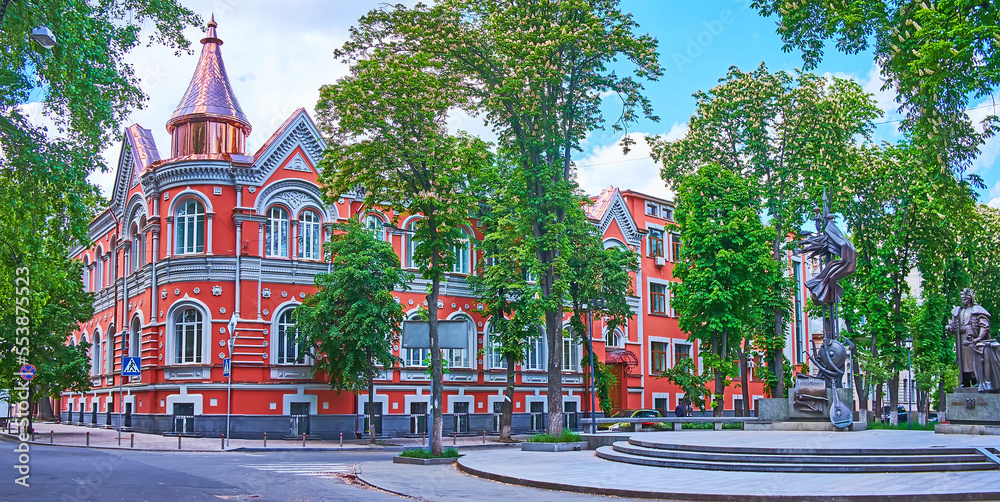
(978, 355)
(839, 260)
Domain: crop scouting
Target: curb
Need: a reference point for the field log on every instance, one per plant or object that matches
(714, 497)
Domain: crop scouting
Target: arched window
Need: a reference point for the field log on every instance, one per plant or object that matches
(459, 358)
(132, 343)
(534, 359)
(137, 251)
(494, 359)
(571, 352)
(95, 354)
(411, 245)
(142, 241)
(616, 338)
(188, 336)
(86, 274)
(189, 219)
(276, 234)
(289, 350)
(309, 235)
(99, 270)
(375, 225)
(108, 351)
(462, 254)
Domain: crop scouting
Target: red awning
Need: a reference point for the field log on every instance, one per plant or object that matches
(625, 357)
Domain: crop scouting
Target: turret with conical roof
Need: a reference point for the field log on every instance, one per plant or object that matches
(208, 119)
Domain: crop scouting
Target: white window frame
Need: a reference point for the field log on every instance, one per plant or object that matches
(375, 224)
(193, 242)
(571, 354)
(462, 254)
(459, 358)
(276, 246)
(96, 359)
(201, 328)
(310, 235)
(493, 360)
(280, 331)
(538, 346)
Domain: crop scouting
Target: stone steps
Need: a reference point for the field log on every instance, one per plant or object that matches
(796, 459)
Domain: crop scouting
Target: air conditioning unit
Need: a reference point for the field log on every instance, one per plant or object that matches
(660, 261)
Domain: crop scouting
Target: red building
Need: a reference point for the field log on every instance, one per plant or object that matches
(210, 234)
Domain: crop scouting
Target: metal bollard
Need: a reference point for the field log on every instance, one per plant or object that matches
(423, 439)
(484, 437)
(454, 438)
(88, 438)
(178, 442)
(265, 440)
(223, 445)
(303, 439)
(51, 437)
(341, 439)
(131, 441)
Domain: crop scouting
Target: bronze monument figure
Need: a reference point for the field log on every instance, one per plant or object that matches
(839, 260)
(976, 353)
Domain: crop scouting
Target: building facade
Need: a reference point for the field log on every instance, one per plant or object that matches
(210, 240)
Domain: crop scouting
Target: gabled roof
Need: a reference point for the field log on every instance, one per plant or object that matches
(298, 130)
(609, 206)
(137, 153)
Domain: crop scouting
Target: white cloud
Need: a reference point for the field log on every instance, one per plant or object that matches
(607, 165)
(990, 149)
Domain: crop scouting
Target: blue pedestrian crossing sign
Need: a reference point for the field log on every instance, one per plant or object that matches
(225, 367)
(131, 366)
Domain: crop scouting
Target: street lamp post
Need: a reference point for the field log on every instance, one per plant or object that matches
(593, 371)
(909, 394)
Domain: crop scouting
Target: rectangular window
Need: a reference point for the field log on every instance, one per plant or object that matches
(681, 351)
(535, 359)
(658, 363)
(657, 298)
(570, 356)
(416, 357)
(675, 247)
(667, 213)
(655, 242)
(652, 209)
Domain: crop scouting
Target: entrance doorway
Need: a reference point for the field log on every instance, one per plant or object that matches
(617, 390)
(461, 417)
(377, 407)
(418, 418)
(184, 418)
(300, 418)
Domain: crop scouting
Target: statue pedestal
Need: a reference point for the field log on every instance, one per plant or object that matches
(971, 412)
(778, 414)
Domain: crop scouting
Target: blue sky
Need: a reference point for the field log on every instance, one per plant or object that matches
(278, 54)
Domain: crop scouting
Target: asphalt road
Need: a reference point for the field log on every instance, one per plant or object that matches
(78, 474)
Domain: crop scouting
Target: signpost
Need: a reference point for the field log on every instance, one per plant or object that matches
(227, 367)
(417, 335)
(131, 367)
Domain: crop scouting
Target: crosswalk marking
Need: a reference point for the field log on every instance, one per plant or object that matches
(313, 469)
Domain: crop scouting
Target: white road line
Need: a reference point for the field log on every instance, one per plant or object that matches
(304, 469)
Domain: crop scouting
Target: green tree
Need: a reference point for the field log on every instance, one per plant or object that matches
(86, 89)
(789, 135)
(982, 249)
(536, 72)
(722, 268)
(352, 321)
(685, 375)
(936, 55)
(385, 122)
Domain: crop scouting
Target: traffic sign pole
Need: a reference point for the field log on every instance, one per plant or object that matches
(229, 384)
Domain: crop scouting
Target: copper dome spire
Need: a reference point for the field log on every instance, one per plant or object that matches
(209, 95)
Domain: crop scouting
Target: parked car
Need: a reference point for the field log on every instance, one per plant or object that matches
(626, 426)
(932, 417)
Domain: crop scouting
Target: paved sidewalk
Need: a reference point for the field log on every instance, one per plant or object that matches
(445, 483)
(74, 435)
(583, 472)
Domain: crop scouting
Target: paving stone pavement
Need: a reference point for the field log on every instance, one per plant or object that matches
(583, 472)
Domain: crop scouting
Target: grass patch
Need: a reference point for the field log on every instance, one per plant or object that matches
(567, 436)
(877, 425)
(422, 453)
(696, 425)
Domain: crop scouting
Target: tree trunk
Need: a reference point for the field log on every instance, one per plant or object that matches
(45, 408)
(859, 383)
(894, 399)
(507, 414)
(744, 381)
(553, 328)
(777, 361)
(437, 376)
(371, 397)
(878, 403)
(718, 397)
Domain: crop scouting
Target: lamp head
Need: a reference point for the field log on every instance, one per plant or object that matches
(44, 36)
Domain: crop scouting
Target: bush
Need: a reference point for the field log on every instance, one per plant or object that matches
(567, 436)
(422, 453)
